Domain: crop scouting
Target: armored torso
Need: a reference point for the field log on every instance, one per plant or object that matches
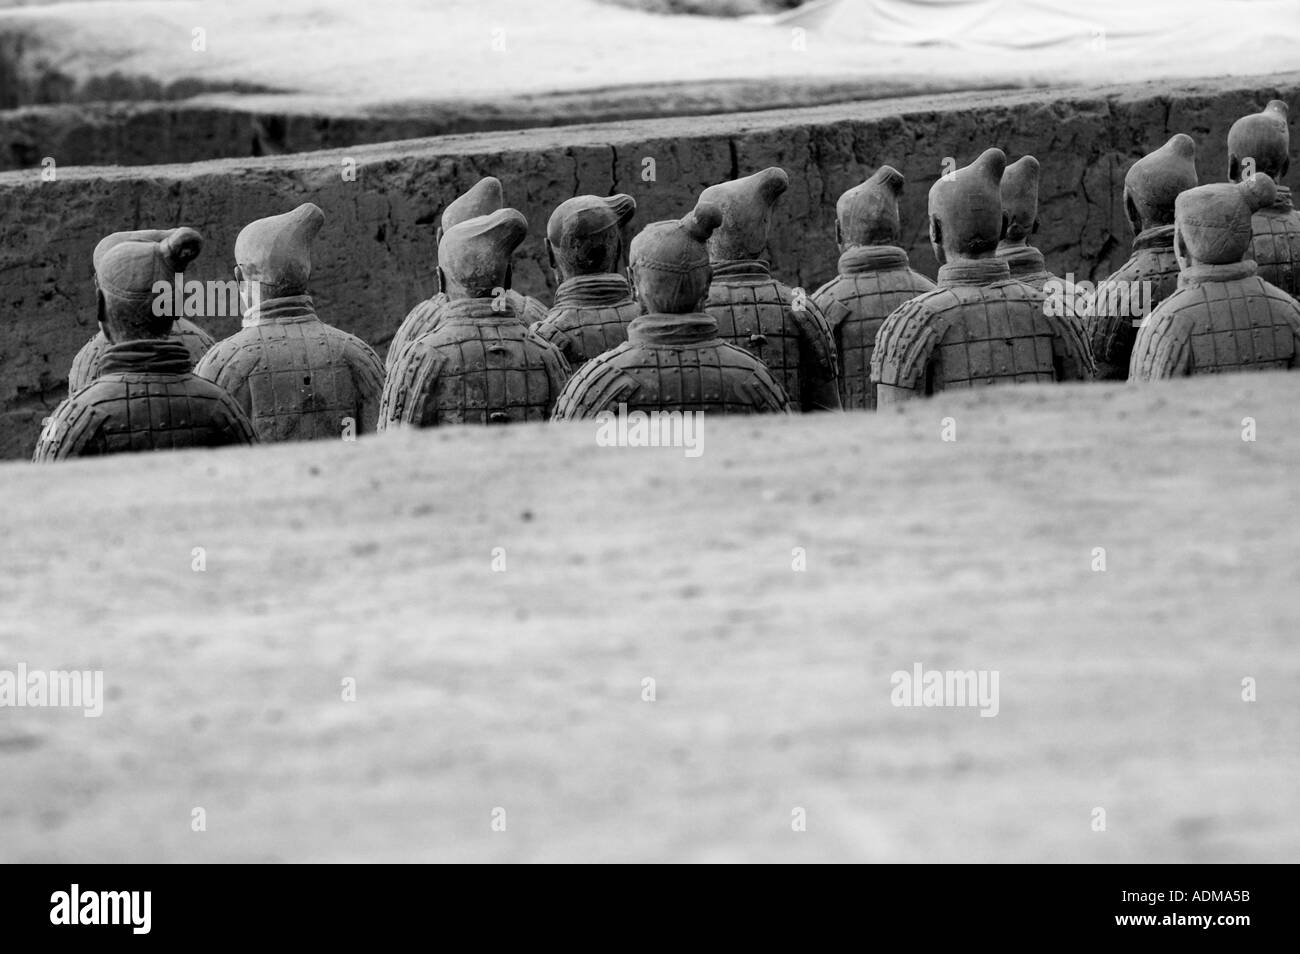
(1221, 318)
(756, 312)
(590, 316)
(85, 366)
(1275, 243)
(424, 318)
(480, 366)
(1114, 317)
(979, 327)
(673, 363)
(297, 378)
(145, 398)
(872, 282)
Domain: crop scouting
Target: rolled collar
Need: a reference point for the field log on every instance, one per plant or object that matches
(661, 329)
(1200, 274)
(1162, 236)
(276, 310)
(980, 271)
(1283, 201)
(1021, 259)
(742, 268)
(476, 309)
(155, 355)
(871, 258)
(603, 289)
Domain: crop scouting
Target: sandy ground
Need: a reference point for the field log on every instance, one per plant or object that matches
(338, 55)
(522, 690)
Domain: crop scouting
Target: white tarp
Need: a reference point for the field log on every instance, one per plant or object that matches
(1043, 25)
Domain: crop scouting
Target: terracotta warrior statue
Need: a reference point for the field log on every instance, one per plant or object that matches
(874, 279)
(786, 332)
(298, 378)
(1020, 206)
(979, 326)
(85, 366)
(1265, 140)
(1224, 315)
(145, 397)
(674, 359)
(483, 198)
(593, 303)
(1151, 274)
(481, 364)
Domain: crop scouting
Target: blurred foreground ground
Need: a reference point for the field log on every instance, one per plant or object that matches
(522, 689)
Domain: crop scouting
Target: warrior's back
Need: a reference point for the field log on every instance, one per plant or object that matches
(760, 314)
(133, 411)
(298, 380)
(474, 372)
(1242, 324)
(712, 378)
(962, 336)
(582, 332)
(856, 306)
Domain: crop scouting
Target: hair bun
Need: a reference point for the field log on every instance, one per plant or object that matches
(891, 178)
(1259, 191)
(701, 223)
(623, 205)
(1182, 145)
(181, 247)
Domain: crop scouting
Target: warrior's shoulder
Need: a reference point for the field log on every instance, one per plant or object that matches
(600, 383)
(241, 351)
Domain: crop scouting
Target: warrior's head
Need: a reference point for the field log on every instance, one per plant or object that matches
(1212, 222)
(868, 213)
(746, 207)
(132, 271)
(584, 235)
(1264, 139)
(966, 218)
(273, 255)
(670, 261)
(475, 254)
(1153, 183)
(482, 198)
(1020, 200)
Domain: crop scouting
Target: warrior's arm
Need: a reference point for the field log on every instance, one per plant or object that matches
(1071, 352)
(418, 321)
(1110, 331)
(398, 396)
(901, 360)
(73, 430)
(236, 423)
(423, 371)
(1162, 350)
(825, 300)
(598, 386)
(767, 394)
(551, 331)
(368, 373)
(534, 311)
(821, 385)
(85, 366)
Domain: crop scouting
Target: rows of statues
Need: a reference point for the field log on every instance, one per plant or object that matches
(686, 316)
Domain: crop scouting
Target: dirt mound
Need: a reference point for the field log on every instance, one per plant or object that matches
(521, 688)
